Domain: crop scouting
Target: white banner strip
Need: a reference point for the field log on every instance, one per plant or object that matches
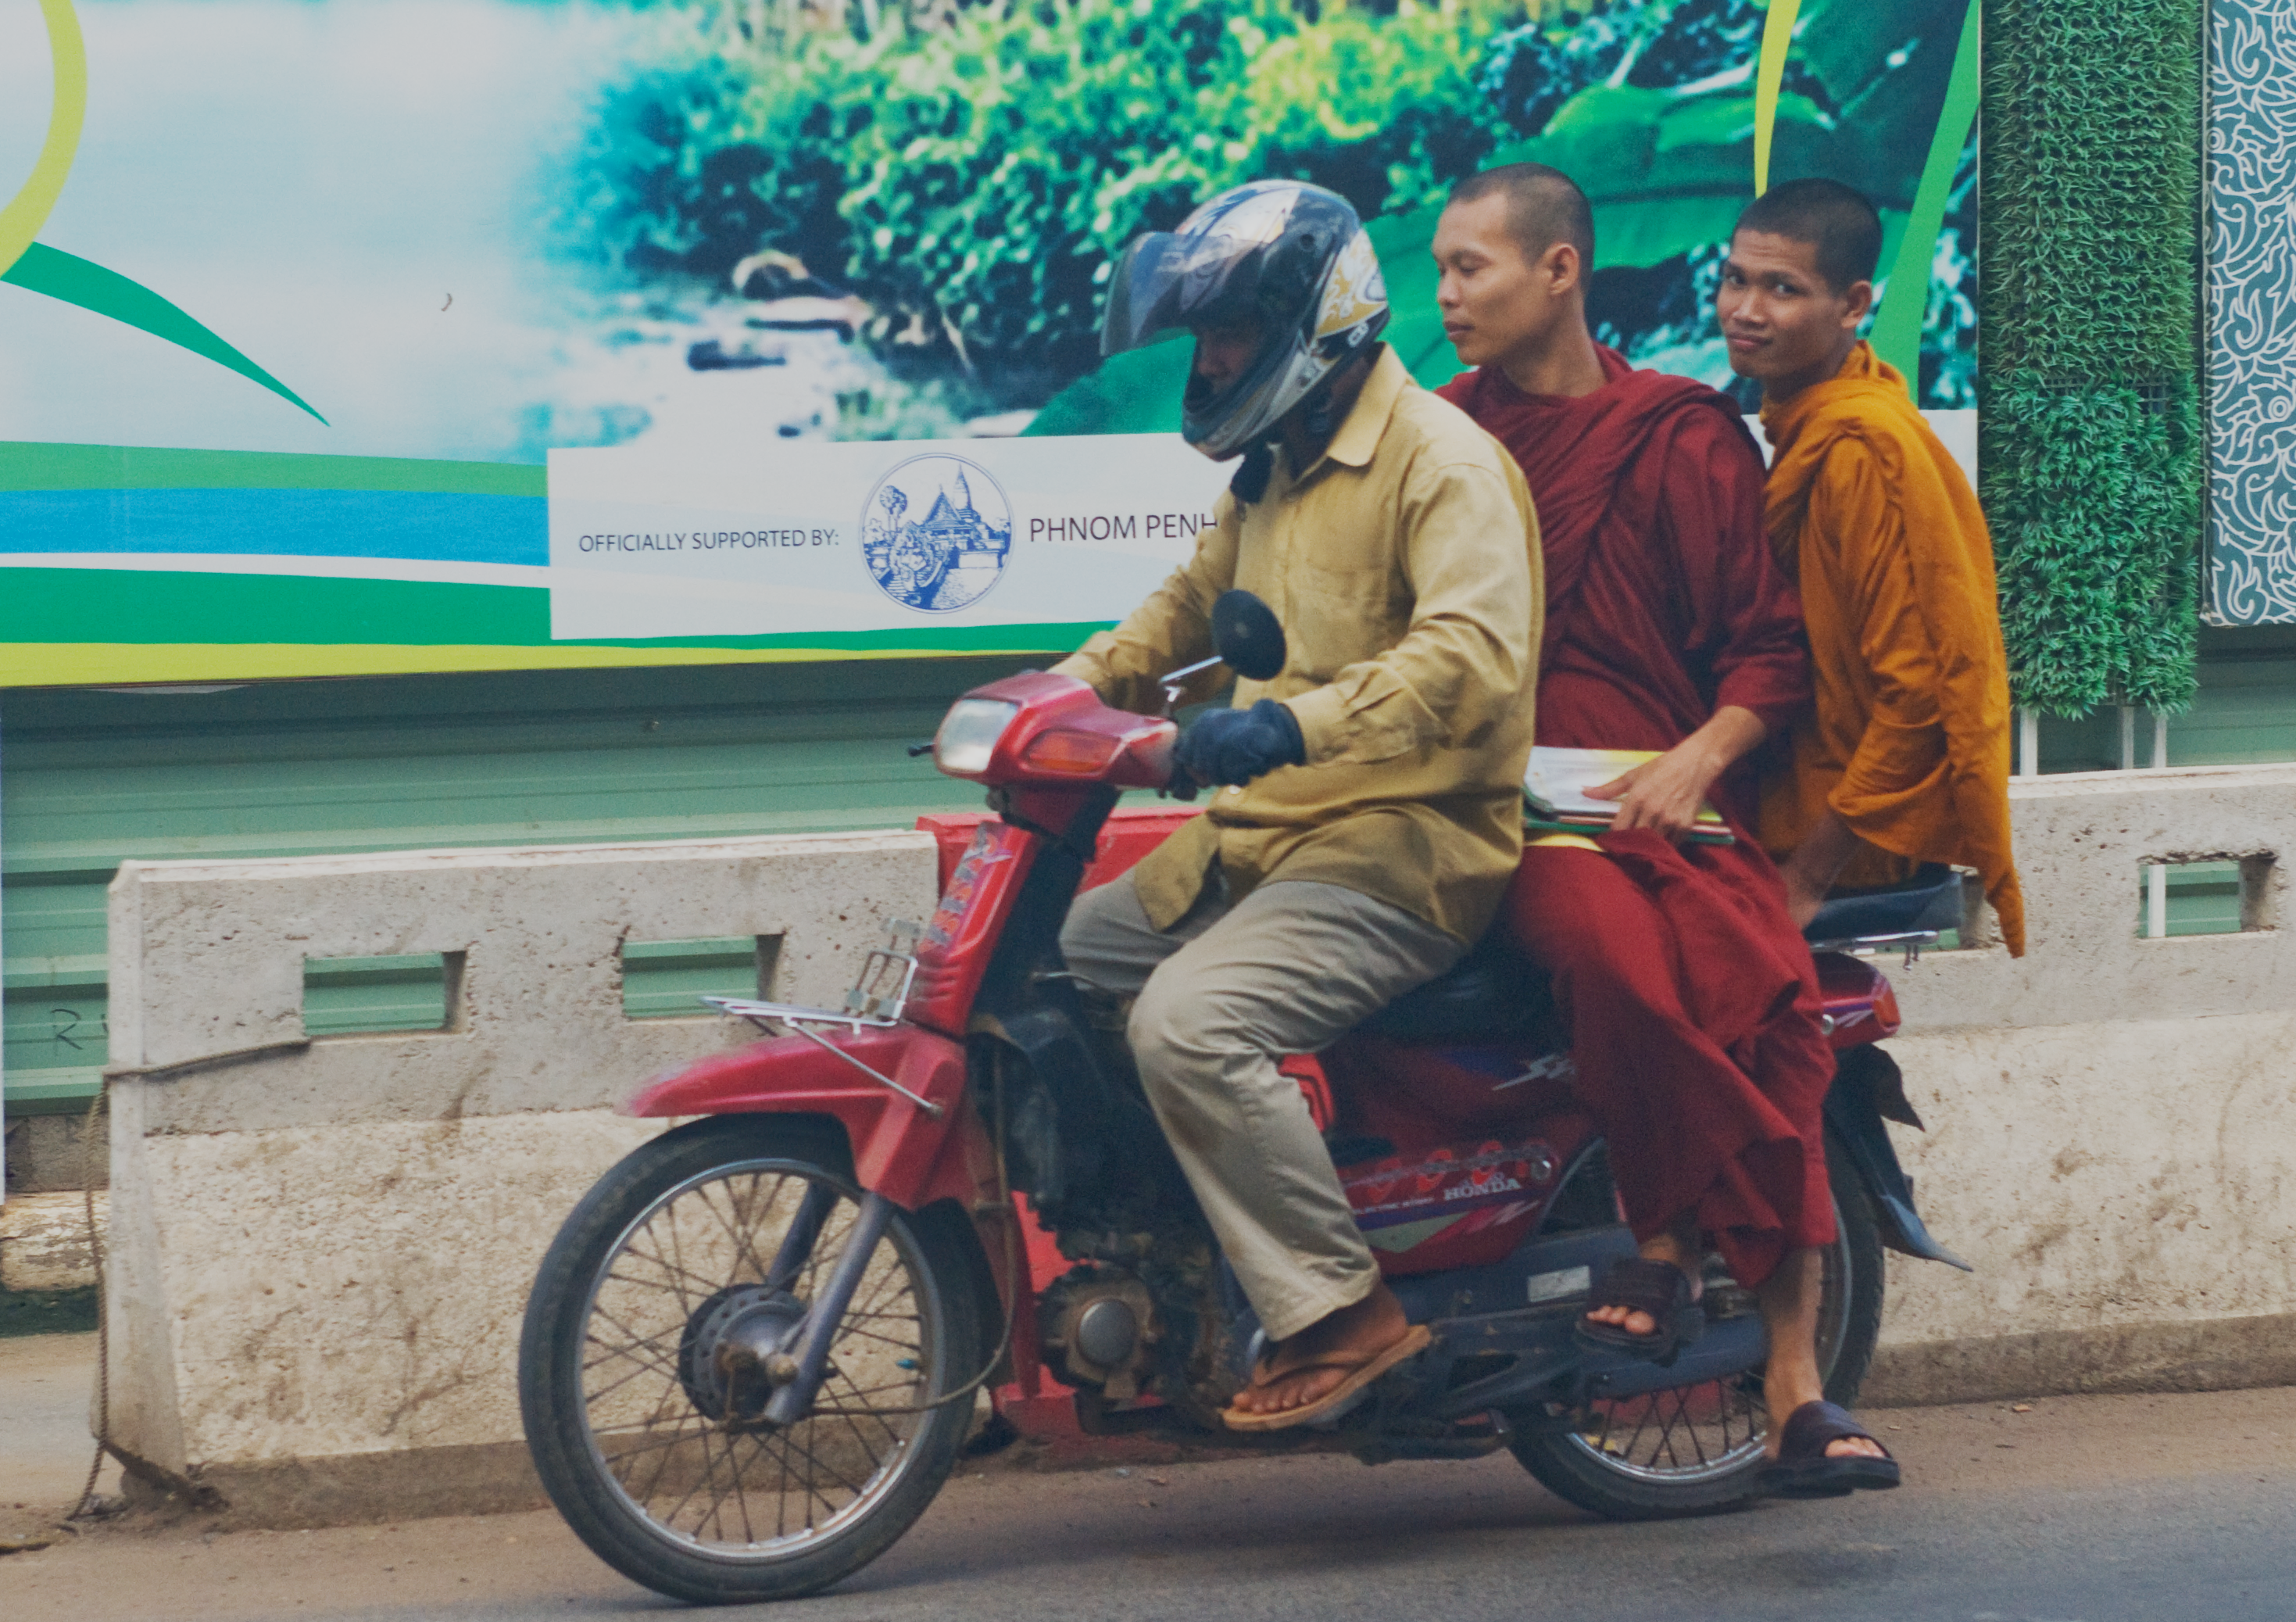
(648, 541)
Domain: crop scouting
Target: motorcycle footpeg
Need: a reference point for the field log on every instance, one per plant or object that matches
(1333, 1420)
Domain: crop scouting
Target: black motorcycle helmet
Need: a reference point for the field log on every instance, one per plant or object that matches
(1291, 256)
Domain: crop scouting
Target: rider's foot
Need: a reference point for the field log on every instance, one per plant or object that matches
(1675, 1251)
(1353, 1334)
(1783, 1397)
(1789, 1299)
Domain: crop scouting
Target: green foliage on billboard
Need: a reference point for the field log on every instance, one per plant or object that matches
(972, 183)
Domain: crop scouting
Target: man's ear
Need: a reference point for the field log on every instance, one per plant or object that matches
(1856, 304)
(1561, 266)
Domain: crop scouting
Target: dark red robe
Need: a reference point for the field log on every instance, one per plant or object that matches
(1692, 998)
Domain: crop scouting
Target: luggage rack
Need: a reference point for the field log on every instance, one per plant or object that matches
(1904, 918)
(879, 994)
(1912, 942)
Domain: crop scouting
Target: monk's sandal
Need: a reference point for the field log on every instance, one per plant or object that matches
(1801, 1469)
(1660, 1288)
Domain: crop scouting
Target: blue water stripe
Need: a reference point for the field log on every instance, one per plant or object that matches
(279, 523)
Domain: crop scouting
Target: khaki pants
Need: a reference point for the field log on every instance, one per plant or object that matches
(1223, 995)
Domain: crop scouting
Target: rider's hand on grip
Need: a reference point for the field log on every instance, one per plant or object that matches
(1237, 745)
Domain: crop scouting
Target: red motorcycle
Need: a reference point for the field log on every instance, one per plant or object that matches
(753, 1353)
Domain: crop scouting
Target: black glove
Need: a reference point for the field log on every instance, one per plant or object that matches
(1237, 745)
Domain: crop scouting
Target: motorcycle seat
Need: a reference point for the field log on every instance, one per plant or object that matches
(1494, 992)
(1491, 993)
(1925, 905)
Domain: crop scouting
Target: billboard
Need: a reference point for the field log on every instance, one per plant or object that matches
(347, 336)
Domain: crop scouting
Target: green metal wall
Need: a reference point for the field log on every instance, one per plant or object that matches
(394, 764)
(2245, 711)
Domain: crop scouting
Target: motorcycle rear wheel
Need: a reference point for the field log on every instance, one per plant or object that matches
(635, 1430)
(1694, 1450)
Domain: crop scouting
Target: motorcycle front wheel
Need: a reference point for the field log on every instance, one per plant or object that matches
(641, 1428)
(1691, 1450)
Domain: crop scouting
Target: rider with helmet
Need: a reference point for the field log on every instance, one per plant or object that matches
(1369, 816)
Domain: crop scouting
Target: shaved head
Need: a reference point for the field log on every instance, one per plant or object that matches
(1545, 206)
(1835, 220)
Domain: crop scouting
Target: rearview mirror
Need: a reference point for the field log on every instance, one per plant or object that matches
(1248, 635)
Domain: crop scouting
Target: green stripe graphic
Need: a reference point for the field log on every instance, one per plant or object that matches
(1896, 334)
(27, 465)
(157, 606)
(74, 280)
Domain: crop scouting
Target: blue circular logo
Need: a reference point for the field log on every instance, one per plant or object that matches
(935, 533)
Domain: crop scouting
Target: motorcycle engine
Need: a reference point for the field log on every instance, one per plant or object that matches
(1100, 1330)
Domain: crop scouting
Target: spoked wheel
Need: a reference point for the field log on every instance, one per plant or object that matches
(661, 1320)
(1690, 1449)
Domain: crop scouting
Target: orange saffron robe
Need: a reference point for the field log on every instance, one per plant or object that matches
(1871, 516)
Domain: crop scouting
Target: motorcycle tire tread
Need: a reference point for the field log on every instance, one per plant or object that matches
(549, 1361)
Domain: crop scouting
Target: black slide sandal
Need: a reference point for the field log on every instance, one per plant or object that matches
(1803, 1469)
(1660, 1288)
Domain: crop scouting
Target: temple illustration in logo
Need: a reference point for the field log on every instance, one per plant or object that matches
(955, 552)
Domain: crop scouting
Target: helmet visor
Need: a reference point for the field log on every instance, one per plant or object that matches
(1166, 281)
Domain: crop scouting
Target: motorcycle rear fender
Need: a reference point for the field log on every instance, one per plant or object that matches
(1859, 1005)
(899, 1150)
(1866, 1086)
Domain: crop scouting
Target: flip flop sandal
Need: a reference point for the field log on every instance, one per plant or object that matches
(1803, 1469)
(1362, 1368)
(1660, 1288)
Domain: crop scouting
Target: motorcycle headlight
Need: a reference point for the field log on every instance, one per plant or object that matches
(968, 735)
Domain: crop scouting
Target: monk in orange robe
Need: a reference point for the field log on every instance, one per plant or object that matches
(1905, 759)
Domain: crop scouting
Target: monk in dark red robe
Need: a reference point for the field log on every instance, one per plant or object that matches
(1692, 997)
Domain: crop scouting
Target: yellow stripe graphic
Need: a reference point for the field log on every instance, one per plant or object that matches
(28, 210)
(1777, 39)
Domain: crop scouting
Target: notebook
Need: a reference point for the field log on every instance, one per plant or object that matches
(1554, 787)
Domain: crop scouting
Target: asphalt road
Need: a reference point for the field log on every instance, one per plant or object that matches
(45, 1449)
(2082, 1510)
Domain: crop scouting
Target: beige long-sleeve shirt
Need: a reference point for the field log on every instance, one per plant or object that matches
(1404, 564)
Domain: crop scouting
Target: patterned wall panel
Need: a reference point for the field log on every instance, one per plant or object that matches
(2251, 311)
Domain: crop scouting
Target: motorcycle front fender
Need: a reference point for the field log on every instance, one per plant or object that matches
(912, 1154)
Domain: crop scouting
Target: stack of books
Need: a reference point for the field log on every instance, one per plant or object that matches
(1554, 799)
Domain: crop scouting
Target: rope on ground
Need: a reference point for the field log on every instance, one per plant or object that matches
(206, 1061)
(95, 1113)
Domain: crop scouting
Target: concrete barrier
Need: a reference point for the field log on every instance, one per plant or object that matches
(319, 1259)
(2112, 1118)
